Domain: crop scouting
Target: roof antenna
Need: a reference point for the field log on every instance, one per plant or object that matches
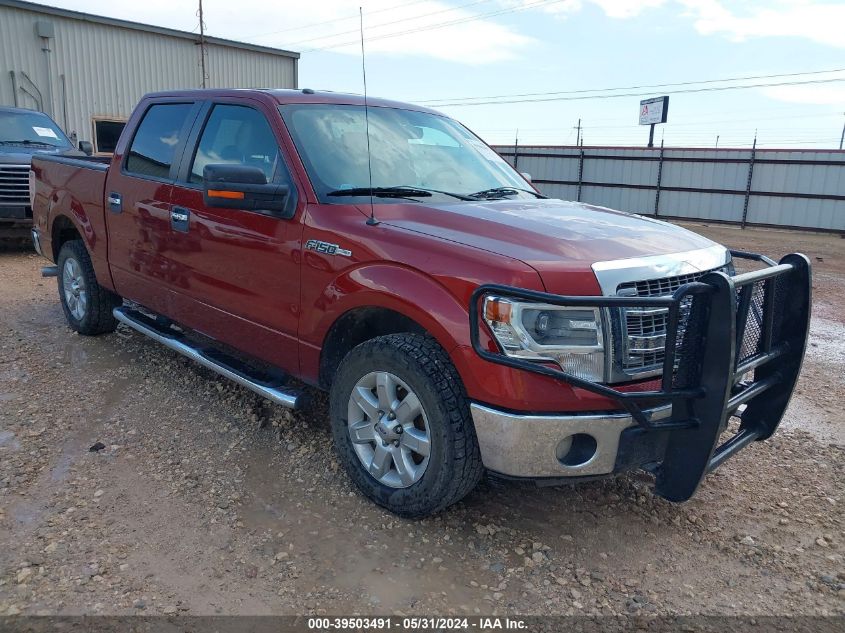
(372, 219)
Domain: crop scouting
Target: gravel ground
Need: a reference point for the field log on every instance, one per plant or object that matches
(207, 500)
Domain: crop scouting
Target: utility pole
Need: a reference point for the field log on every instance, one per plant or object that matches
(516, 149)
(717, 141)
(202, 46)
(842, 138)
(578, 137)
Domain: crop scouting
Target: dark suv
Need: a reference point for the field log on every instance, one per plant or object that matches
(22, 134)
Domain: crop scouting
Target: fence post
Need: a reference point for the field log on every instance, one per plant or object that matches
(748, 184)
(659, 179)
(580, 172)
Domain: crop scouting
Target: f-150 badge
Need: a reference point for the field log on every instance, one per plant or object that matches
(328, 249)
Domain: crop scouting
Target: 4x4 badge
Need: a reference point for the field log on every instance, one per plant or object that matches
(327, 248)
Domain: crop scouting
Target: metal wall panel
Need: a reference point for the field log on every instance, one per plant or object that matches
(101, 70)
(798, 188)
(632, 200)
(701, 206)
(822, 214)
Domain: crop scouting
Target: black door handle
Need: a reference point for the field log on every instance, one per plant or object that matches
(180, 219)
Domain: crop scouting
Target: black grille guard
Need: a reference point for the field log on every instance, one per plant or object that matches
(730, 341)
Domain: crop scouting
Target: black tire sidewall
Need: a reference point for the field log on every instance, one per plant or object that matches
(422, 497)
(71, 250)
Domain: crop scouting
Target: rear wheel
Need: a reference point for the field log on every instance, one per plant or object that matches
(402, 425)
(86, 304)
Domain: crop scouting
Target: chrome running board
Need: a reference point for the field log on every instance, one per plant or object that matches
(213, 359)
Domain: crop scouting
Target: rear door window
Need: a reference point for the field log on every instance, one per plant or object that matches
(156, 140)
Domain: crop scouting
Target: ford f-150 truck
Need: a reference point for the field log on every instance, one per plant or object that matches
(23, 134)
(460, 320)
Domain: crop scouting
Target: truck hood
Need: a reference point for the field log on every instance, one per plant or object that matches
(557, 238)
(22, 155)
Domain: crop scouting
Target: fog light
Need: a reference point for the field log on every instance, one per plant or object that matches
(576, 449)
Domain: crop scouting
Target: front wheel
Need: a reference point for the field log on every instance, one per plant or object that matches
(402, 426)
(86, 304)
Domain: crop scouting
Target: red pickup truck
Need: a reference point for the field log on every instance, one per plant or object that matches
(461, 321)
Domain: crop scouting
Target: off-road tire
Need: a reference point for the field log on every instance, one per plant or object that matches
(97, 317)
(454, 466)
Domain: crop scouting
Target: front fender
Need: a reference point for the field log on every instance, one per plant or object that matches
(444, 313)
(394, 287)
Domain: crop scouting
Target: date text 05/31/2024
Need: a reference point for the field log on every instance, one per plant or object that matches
(416, 624)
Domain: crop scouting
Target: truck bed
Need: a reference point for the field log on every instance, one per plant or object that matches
(72, 187)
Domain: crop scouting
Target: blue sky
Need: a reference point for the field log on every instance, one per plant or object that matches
(438, 51)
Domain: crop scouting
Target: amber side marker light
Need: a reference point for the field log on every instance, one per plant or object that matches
(497, 310)
(231, 195)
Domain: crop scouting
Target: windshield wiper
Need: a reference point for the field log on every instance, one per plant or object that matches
(382, 192)
(27, 142)
(400, 191)
(500, 192)
(459, 196)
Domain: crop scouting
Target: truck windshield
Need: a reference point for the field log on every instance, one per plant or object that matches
(30, 128)
(410, 151)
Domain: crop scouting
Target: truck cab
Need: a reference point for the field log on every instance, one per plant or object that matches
(462, 321)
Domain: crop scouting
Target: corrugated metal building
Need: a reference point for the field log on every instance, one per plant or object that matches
(88, 71)
(767, 187)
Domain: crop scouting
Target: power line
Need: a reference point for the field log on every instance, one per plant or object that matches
(699, 120)
(640, 94)
(441, 25)
(666, 85)
(375, 26)
(671, 126)
(332, 21)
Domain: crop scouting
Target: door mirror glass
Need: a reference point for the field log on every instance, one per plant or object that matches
(242, 187)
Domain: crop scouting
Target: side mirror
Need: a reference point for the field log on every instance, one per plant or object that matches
(525, 175)
(86, 147)
(242, 187)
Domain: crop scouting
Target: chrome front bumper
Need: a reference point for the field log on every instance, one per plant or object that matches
(537, 446)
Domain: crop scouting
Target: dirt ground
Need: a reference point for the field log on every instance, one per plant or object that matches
(208, 500)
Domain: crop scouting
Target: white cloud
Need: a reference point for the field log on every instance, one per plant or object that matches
(818, 21)
(470, 37)
(428, 29)
(621, 9)
(738, 20)
(333, 25)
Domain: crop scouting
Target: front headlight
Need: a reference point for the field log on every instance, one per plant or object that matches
(571, 337)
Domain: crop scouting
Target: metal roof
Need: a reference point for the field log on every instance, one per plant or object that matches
(137, 26)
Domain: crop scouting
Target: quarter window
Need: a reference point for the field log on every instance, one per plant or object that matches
(155, 142)
(236, 135)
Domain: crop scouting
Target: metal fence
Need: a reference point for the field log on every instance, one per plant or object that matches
(785, 188)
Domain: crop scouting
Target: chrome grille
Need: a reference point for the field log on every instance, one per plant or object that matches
(644, 330)
(14, 185)
(657, 287)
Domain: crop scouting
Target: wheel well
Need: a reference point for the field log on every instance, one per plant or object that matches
(356, 327)
(63, 231)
